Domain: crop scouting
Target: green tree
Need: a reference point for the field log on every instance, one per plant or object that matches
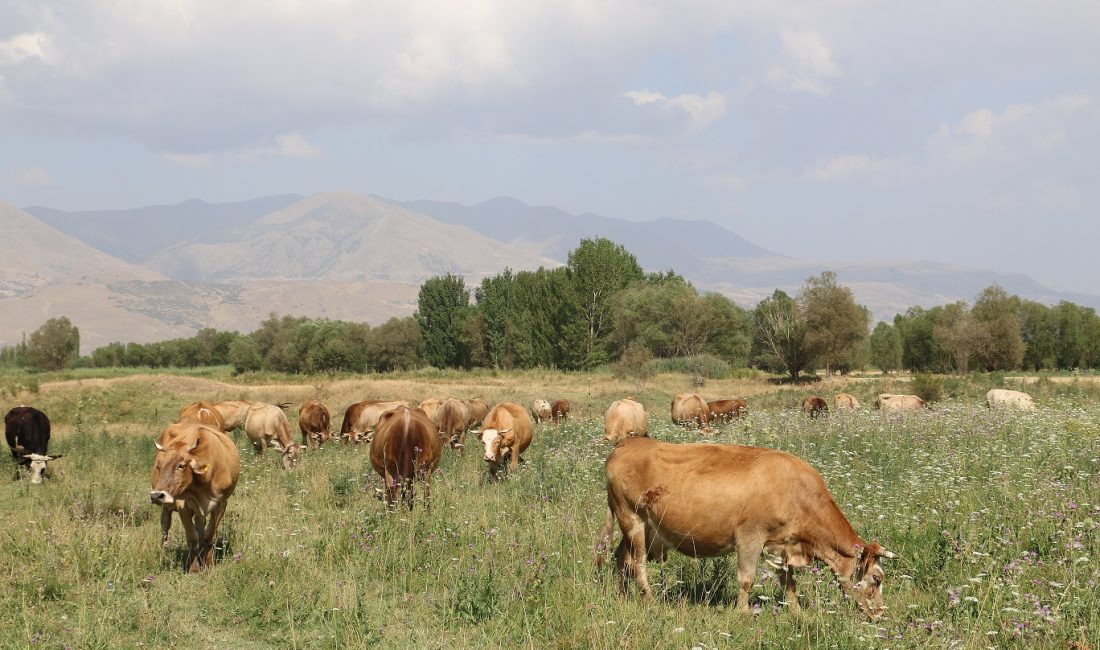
(999, 315)
(920, 352)
(779, 340)
(395, 345)
(1039, 331)
(960, 334)
(885, 347)
(439, 306)
(54, 345)
(835, 324)
(600, 268)
(244, 354)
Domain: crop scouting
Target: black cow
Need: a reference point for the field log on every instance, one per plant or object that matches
(28, 432)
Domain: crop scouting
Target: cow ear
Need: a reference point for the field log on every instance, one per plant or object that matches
(199, 468)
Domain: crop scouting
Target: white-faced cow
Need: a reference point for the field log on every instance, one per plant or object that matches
(194, 475)
(27, 431)
(707, 500)
(506, 435)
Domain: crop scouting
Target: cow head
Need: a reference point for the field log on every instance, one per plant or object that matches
(292, 455)
(177, 469)
(37, 464)
(867, 585)
(497, 443)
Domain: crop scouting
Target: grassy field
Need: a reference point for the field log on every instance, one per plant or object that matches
(995, 517)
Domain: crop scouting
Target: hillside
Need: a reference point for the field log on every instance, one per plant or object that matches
(36, 255)
(343, 237)
(136, 234)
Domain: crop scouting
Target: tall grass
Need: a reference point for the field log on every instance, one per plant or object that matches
(994, 514)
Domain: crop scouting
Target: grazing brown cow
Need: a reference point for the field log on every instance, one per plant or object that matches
(688, 408)
(27, 431)
(706, 500)
(195, 475)
(203, 413)
(727, 409)
(845, 402)
(624, 418)
(506, 432)
(405, 447)
(453, 421)
(361, 417)
(559, 410)
(265, 424)
(313, 422)
(430, 407)
(476, 410)
(541, 409)
(888, 403)
(815, 407)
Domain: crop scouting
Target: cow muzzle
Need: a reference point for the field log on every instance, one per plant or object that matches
(160, 497)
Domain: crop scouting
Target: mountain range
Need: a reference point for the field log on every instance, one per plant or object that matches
(164, 271)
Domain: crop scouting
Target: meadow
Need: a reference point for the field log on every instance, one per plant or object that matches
(994, 516)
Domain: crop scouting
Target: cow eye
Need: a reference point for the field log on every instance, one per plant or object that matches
(180, 466)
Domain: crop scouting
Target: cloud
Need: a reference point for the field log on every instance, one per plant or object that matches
(807, 64)
(852, 167)
(702, 111)
(287, 145)
(1019, 131)
(29, 176)
(24, 46)
(188, 159)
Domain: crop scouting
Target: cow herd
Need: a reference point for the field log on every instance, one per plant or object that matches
(701, 499)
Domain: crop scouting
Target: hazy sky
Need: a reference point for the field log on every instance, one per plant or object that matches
(964, 132)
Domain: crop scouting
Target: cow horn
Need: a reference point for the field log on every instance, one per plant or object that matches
(157, 445)
(193, 445)
(889, 555)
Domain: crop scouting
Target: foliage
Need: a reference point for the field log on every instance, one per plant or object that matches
(835, 324)
(928, 387)
(703, 365)
(671, 319)
(439, 308)
(885, 347)
(779, 343)
(599, 268)
(634, 365)
(396, 344)
(54, 345)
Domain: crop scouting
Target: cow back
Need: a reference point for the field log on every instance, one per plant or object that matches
(27, 431)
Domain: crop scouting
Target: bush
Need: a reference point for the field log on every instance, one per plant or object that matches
(928, 387)
(706, 366)
(635, 365)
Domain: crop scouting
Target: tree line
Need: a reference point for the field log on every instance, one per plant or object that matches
(601, 307)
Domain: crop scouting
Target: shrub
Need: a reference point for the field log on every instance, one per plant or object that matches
(706, 366)
(928, 387)
(634, 365)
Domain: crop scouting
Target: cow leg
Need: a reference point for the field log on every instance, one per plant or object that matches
(624, 564)
(786, 578)
(210, 533)
(513, 464)
(634, 530)
(165, 524)
(192, 560)
(392, 487)
(749, 548)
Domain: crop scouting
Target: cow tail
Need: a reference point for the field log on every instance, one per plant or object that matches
(603, 539)
(325, 422)
(345, 426)
(406, 453)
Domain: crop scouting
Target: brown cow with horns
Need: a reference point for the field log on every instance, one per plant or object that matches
(706, 500)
